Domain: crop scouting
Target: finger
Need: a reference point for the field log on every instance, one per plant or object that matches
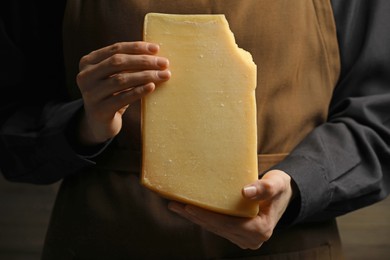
(125, 82)
(213, 222)
(123, 89)
(120, 63)
(90, 83)
(130, 96)
(120, 82)
(259, 190)
(190, 214)
(99, 55)
(137, 93)
(124, 62)
(240, 231)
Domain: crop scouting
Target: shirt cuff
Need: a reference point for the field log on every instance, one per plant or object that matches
(312, 187)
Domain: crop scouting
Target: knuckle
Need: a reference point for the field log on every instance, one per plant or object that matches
(117, 60)
(145, 61)
(148, 76)
(254, 246)
(271, 188)
(132, 94)
(120, 79)
(81, 78)
(138, 91)
(262, 233)
(116, 48)
(137, 46)
(266, 235)
(267, 185)
(84, 60)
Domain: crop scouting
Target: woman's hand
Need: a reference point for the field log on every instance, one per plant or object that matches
(273, 192)
(111, 79)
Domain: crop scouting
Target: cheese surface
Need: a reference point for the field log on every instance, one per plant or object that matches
(199, 132)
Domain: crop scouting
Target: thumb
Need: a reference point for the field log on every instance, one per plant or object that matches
(253, 191)
(271, 184)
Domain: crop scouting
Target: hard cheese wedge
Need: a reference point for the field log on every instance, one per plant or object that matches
(199, 128)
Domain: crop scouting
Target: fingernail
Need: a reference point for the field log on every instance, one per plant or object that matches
(250, 191)
(164, 74)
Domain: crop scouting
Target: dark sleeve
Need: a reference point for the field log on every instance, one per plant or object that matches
(344, 164)
(35, 110)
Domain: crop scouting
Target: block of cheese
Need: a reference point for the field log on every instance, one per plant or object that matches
(199, 142)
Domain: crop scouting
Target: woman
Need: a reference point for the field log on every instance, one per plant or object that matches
(323, 95)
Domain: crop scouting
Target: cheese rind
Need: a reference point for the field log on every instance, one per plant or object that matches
(199, 132)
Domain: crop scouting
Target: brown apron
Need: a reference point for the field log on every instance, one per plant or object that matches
(104, 213)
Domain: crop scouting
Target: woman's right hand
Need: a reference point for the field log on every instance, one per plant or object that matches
(111, 79)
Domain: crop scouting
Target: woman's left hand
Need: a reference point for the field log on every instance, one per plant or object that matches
(273, 192)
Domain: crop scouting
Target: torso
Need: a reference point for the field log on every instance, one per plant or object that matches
(294, 46)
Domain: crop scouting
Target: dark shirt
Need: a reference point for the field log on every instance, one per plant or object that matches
(341, 166)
